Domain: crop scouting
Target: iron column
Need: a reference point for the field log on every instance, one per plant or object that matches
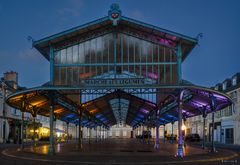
(96, 135)
(34, 114)
(172, 132)
(164, 138)
(213, 125)
(180, 147)
(213, 108)
(157, 138)
(67, 131)
(51, 150)
(204, 115)
(22, 131)
(100, 131)
(80, 132)
(76, 131)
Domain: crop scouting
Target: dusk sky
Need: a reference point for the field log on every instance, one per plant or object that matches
(216, 57)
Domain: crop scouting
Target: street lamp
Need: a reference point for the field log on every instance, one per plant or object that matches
(183, 127)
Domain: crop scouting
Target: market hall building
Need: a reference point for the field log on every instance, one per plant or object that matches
(117, 71)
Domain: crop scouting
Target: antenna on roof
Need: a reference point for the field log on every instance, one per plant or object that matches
(199, 36)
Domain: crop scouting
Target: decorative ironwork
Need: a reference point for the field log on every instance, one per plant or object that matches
(114, 14)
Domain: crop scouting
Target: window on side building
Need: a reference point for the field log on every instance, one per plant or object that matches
(234, 81)
(224, 85)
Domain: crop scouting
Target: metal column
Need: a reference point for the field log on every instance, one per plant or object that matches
(100, 133)
(96, 134)
(213, 149)
(51, 150)
(164, 138)
(88, 129)
(67, 131)
(204, 115)
(34, 128)
(22, 132)
(76, 132)
(80, 132)
(213, 108)
(172, 132)
(180, 146)
(156, 146)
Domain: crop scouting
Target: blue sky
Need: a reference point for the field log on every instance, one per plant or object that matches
(213, 60)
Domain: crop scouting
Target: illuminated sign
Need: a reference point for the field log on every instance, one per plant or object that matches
(118, 81)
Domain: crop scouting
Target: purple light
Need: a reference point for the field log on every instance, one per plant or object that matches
(144, 111)
(187, 113)
(172, 37)
(200, 103)
(166, 42)
(219, 97)
(152, 75)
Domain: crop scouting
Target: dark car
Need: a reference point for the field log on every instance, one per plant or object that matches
(192, 137)
(171, 137)
(145, 135)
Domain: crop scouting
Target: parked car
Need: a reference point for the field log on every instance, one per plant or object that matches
(145, 135)
(171, 137)
(192, 137)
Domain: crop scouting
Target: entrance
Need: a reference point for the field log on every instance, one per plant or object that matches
(229, 136)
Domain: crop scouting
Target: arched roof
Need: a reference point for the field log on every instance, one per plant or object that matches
(100, 111)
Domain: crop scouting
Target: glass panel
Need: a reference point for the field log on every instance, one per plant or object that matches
(75, 76)
(75, 54)
(57, 76)
(111, 48)
(63, 56)
(81, 53)
(57, 56)
(139, 57)
(69, 75)
(69, 55)
(63, 75)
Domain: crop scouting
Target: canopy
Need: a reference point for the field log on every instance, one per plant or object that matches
(119, 106)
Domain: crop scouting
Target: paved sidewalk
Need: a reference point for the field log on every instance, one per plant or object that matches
(116, 151)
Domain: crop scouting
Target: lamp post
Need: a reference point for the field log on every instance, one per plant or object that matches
(51, 150)
(213, 109)
(172, 132)
(204, 115)
(180, 139)
(80, 130)
(4, 109)
(157, 132)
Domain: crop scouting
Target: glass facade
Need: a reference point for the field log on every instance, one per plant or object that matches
(116, 54)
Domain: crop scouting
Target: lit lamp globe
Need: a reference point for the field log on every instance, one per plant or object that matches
(183, 127)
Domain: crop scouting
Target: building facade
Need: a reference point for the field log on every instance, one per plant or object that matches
(227, 120)
(9, 117)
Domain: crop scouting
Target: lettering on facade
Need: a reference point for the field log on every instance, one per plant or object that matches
(119, 81)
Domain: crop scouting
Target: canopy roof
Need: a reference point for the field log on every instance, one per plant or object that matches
(105, 110)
